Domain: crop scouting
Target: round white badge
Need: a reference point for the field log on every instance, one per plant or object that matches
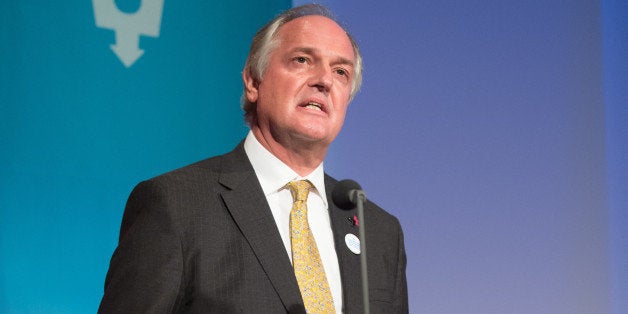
(353, 243)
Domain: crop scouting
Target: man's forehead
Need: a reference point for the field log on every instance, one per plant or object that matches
(312, 31)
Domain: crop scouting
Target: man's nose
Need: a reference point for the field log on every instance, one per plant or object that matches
(322, 78)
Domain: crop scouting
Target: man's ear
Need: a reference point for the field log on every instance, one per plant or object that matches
(251, 91)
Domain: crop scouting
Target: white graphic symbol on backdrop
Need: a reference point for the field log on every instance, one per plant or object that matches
(128, 27)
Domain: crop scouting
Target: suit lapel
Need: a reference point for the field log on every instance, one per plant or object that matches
(247, 204)
(341, 221)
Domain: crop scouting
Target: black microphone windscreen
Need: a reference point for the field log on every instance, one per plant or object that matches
(341, 195)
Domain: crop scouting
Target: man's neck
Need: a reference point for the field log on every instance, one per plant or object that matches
(303, 158)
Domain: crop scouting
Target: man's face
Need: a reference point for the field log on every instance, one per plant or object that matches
(305, 90)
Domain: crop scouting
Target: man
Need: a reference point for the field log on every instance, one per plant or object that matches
(219, 236)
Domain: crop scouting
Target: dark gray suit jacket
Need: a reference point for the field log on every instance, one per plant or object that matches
(203, 239)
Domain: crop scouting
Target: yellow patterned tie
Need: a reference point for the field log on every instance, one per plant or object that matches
(306, 261)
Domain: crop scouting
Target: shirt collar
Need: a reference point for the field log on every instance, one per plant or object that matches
(273, 174)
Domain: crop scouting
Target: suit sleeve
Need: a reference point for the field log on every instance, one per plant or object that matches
(145, 272)
(400, 301)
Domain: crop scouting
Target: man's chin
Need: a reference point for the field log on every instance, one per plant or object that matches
(313, 138)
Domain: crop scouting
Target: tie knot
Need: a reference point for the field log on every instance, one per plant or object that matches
(300, 189)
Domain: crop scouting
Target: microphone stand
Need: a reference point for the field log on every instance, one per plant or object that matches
(359, 198)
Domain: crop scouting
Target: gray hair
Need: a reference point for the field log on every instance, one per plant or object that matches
(264, 42)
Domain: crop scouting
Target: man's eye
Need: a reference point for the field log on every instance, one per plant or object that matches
(300, 59)
(341, 72)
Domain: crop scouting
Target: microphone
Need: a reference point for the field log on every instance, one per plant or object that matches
(344, 194)
(347, 195)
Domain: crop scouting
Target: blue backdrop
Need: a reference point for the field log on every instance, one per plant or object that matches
(495, 130)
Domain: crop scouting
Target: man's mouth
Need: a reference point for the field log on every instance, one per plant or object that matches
(314, 105)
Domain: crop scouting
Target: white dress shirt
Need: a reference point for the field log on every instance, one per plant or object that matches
(273, 175)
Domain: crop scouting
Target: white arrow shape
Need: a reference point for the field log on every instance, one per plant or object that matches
(127, 47)
(128, 27)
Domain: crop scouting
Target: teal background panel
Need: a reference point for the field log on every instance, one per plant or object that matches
(79, 129)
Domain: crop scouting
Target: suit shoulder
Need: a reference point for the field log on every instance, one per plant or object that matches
(204, 170)
(207, 170)
(382, 216)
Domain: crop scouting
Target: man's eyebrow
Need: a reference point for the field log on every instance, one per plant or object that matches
(308, 50)
(343, 60)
